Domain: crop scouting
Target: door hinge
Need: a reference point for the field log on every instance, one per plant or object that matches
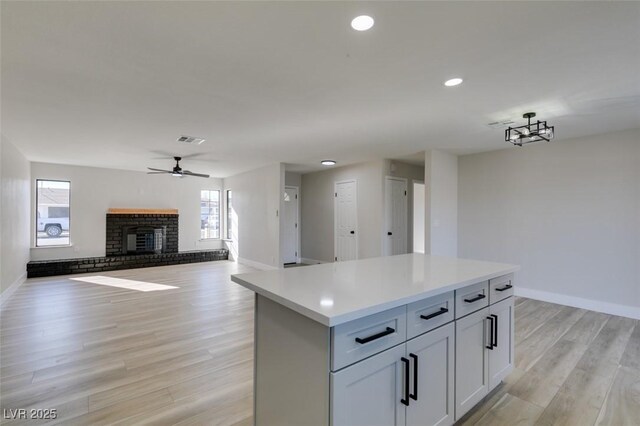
(336, 258)
(296, 254)
(336, 194)
(405, 193)
(296, 226)
(296, 196)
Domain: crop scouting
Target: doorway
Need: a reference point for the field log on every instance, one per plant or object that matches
(345, 221)
(395, 196)
(291, 228)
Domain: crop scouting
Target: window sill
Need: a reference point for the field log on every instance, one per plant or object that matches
(209, 239)
(49, 247)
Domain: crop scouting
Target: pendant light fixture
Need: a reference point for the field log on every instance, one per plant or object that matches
(530, 132)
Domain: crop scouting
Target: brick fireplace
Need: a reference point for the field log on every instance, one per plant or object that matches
(141, 231)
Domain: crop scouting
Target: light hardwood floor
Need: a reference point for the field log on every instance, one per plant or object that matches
(109, 355)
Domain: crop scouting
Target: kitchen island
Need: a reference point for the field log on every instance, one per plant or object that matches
(400, 340)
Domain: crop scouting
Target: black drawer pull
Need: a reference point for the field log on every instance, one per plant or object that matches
(405, 400)
(475, 299)
(435, 314)
(506, 287)
(387, 332)
(494, 333)
(490, 345)
(414, 395)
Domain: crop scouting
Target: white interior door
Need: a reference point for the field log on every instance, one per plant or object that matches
(418, 216)
(346, 226)
(290, 254)
(395, 194)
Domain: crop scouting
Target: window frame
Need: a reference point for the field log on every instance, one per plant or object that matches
(35, 222)
(227, 216)
(218, 191)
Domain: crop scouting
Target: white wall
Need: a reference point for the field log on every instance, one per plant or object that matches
(441, 213)
(317, 238)
(257, 199)
(95, 190)
(14, 217)
(568, 212)
(292, 179)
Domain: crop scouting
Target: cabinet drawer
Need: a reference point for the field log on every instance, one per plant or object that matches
(500, 288)
(425, 315)
(361, 338)
(471, 298)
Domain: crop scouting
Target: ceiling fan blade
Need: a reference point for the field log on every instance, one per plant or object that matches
(157, 173)
(188, 173)
(159, 170)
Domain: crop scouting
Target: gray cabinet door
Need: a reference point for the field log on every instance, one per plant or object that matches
(502, 355)
(433, 353)
(472, 361)
(368, 393)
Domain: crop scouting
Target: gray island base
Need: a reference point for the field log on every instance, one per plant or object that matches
(401, 340)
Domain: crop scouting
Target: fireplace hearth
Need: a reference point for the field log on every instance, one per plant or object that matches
(135, 239)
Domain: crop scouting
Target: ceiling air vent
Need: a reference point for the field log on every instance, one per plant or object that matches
(190, 140)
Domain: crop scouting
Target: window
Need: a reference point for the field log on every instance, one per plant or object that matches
(229, 215)
(209, 214)
(52, 213)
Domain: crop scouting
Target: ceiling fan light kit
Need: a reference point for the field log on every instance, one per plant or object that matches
(176, 171)
(530, 132)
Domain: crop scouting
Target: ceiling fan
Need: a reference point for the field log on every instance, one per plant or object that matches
(177, 171)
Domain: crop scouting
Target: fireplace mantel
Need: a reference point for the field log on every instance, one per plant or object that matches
(143, 211)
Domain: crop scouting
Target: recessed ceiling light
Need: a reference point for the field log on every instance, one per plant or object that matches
(328, 163)
(362, 23)
(453, 82)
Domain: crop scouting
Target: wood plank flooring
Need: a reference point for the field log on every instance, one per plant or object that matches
(573, 367)
(112, 355)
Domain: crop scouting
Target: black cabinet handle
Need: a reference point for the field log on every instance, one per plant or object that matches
(364, 340)
(352, 232)
(494, 333)
(405, 400)
(475, 299)
(506, 287)
(490, 345)
(435, 314)
(389, 233)
(414, 395)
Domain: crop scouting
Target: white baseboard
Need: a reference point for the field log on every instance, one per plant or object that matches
(579, 302)
(310, 261)
(6, 295)
(257, 265)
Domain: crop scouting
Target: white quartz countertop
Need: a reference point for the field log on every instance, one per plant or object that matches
(335, 293)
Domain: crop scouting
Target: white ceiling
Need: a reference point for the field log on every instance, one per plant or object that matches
(113, 84)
